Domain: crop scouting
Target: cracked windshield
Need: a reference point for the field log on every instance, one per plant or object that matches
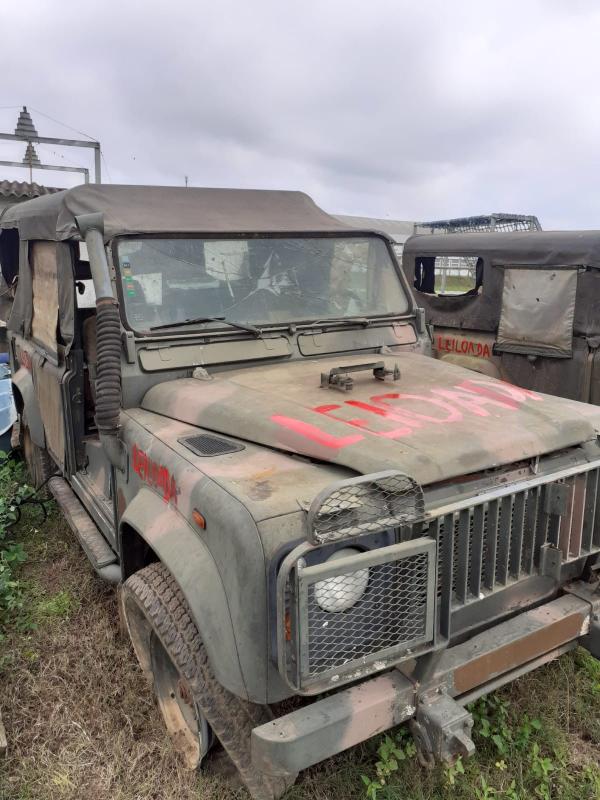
(258, 280)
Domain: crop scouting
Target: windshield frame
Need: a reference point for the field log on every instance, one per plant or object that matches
(191, 330)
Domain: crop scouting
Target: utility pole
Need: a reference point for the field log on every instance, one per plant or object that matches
(26, 132)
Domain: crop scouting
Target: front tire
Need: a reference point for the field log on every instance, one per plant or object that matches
(168, 646)
(165, 642)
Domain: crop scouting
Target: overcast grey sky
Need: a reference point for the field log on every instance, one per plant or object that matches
(407, 110)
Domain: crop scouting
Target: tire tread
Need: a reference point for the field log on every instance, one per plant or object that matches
(158, 595)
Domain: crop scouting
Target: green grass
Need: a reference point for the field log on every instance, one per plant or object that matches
(530, 743)
(82, 722)
(455, 284)
(57, 606)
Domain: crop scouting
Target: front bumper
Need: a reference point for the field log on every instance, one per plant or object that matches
(427, 688)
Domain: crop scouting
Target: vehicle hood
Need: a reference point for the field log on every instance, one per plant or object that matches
(436, 421)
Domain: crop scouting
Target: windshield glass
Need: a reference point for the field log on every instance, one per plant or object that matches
(257, 280)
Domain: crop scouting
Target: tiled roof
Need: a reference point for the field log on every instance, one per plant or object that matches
(20, 189)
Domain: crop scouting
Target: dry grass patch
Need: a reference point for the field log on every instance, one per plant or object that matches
(81, 721)
(83, 725)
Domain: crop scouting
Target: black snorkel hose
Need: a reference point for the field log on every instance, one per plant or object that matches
(108, 341)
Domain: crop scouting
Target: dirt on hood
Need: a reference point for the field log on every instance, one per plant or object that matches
(436, 421)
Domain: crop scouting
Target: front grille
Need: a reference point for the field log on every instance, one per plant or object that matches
(500, 540)
(488, 545)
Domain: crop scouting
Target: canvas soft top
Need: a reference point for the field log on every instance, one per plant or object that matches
(169, 210)
(541, 248)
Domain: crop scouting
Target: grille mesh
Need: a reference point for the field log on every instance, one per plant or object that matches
(392, 612)
(207, 445)
(362, 506)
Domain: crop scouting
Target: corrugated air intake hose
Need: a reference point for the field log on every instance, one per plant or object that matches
(108, 377)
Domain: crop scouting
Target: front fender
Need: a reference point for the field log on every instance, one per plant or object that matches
(23, 384)
(190, 562)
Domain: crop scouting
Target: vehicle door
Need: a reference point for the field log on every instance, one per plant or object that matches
(43, 315)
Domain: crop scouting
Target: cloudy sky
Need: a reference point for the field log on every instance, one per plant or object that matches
(408, 110)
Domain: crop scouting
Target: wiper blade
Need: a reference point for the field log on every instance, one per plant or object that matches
(198, 320)
(365, 321)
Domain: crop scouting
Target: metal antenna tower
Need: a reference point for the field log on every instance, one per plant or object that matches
(26, 132)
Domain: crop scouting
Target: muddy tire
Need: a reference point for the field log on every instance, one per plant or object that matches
(171, 654)
(39, 464)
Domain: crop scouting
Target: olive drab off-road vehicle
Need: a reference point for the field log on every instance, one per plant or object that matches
(528, 309)
(235, 395)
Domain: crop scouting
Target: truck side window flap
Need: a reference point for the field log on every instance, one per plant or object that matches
(425, 274)
(454, 276)
(538, 308)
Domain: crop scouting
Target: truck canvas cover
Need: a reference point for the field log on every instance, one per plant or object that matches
(168, 209)
(540, 248)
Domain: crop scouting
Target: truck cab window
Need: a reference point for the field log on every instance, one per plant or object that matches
(448, 275)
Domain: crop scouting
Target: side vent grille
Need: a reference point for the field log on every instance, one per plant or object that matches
(207, 445)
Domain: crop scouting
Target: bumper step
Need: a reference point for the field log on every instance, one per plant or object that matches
(95, 546)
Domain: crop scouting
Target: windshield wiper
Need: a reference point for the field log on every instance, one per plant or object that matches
(199, 320)
(364, 321)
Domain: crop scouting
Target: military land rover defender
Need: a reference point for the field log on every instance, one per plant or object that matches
(231, 396)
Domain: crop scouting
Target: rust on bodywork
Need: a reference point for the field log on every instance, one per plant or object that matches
(334, 724)
(556, 629)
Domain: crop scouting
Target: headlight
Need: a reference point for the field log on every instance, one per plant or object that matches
(342, 591)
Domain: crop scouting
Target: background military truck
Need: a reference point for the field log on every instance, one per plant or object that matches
(523, 306)
(245, 430)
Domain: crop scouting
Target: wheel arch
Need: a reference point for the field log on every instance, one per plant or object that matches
(136, 552)
(151, 530)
